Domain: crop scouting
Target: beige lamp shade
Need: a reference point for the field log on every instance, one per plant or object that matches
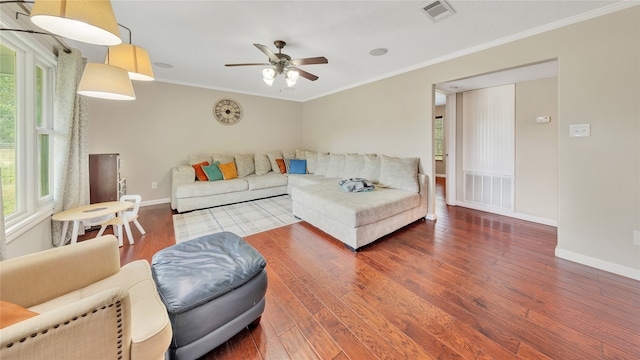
(90, 21)
(132, 58)
(106, 82)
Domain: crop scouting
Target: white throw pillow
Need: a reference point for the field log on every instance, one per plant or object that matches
(224, 159)
(336, 166)
(244, 165)
(197, 159)
(354, 163)
(273, 155)
(398, 173)
(323, 164)
(301, 155)
(262, 164)
(288, 154)
(371, 169)
(312, 161)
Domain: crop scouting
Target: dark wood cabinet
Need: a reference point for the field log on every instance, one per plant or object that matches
(105, 183)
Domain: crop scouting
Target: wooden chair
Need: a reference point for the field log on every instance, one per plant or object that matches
(130, 215)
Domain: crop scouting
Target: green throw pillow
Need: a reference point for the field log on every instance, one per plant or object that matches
(213, 172)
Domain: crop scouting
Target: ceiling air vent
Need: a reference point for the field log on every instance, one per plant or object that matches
(438, 10)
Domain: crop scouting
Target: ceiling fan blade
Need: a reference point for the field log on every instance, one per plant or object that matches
(309, 61)
(305, 74)
(268, 52)
(248, 64)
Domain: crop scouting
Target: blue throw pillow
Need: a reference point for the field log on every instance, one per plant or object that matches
(213, 172)
(297, 166)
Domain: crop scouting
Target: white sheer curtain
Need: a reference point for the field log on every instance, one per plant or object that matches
(70, 121)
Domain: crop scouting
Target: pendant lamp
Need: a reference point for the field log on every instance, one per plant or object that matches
(106, 82)
(132, 58)
(90, 21)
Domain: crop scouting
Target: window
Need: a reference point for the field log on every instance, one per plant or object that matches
(438, 136)
(26, 112)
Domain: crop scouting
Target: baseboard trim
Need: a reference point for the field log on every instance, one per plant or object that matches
(431, 216)
(155, 202)
(441, 175)
(513, 214)
(598, 263)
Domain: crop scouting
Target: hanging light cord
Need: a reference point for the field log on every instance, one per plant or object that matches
(127, 30)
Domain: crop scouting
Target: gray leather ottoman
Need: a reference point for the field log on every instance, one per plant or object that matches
(213, 287)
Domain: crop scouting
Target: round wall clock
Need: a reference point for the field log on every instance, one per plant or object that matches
(227, 112)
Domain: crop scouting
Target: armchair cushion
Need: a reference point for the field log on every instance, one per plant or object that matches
(84, 297)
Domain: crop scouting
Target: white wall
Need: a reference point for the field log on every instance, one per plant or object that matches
(536, 190)
(599, 207)
(168, 122)
(36, 238)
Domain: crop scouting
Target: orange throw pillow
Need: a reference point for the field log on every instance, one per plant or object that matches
(11, 313)
(199, 172)
(228, 170)
(282, 166)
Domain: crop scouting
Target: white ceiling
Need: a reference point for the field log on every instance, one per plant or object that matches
(199, 37)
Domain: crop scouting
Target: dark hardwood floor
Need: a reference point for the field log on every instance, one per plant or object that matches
(470, 285)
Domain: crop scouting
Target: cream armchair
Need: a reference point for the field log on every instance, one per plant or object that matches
(88, 306)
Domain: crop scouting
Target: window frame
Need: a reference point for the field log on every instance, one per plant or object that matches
(31, 208)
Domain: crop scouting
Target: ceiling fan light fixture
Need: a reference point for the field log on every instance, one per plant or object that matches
(92, 22)
(106, 82)
(132, 58)
(268, 76)
(292, 77)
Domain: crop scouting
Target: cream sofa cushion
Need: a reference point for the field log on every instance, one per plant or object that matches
(322, 165)
(224, 159)
(336, 166)
(398, 173)
(266, 181)
(312, 161)
(262, 164)
(205, 188)
(197, 159)
(371, 169)
(354, 163)
(244, 164)
(288, 154)
(273, 156)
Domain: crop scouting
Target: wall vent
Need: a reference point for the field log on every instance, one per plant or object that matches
(490, 190)
(438, 10)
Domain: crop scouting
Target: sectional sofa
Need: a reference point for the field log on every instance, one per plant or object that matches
(355, 218)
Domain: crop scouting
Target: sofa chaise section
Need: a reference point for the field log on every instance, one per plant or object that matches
(358, 219)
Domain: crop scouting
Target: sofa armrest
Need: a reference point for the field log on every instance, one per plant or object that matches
(183, 174)
(96, 327)
(35, 278)
(423, 184)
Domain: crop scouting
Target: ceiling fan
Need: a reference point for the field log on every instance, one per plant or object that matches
(283, 64)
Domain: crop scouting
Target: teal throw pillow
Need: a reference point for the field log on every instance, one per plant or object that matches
(213, 172)
(297, 166)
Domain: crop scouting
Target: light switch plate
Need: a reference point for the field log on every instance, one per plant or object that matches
(579, 130)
